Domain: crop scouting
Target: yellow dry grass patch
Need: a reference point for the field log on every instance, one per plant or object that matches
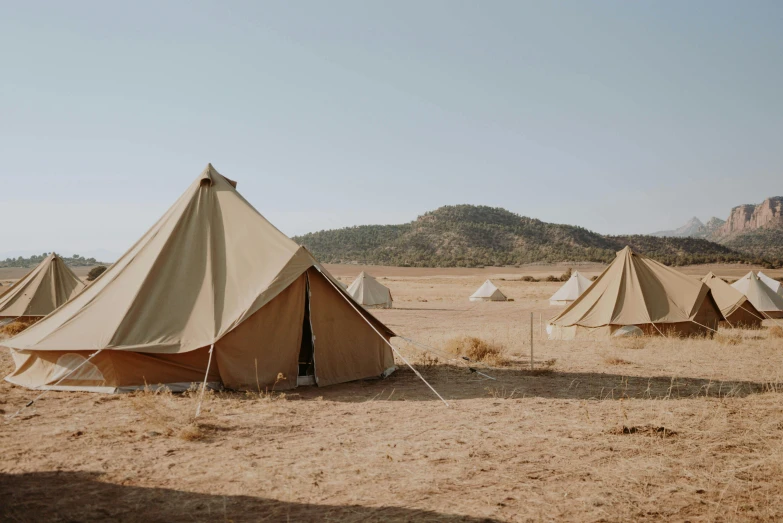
(476, 349)
(12, 329)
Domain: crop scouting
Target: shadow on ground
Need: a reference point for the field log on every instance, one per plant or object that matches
(82, 496)
(459, 383)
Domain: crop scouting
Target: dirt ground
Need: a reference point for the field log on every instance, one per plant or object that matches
(605, 430)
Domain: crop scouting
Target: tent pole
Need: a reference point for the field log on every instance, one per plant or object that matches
(204, 385)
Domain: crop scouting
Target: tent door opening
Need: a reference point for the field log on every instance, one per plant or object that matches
(306, 360)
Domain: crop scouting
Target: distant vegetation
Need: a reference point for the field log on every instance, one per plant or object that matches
(95, 272)
(476, 236)
(762, 243)
(34, 260)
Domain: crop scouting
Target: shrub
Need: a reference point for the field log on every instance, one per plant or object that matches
(551, 278)
(95, 272)
(566, 275)
(529, 278)
(12, 329)
(474, 348)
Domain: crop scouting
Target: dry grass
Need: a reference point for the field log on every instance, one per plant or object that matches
(731, 339)
(775, 332)
(613, 360)
(12, 329)
(630, 343)
(476, 349)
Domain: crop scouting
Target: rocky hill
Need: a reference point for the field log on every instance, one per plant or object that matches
(756, 230)
(748, 218)
(471, 236)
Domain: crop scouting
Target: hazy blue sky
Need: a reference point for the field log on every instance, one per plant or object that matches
(617, 116)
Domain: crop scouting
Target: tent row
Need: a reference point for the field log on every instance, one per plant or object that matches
(637, 295)
(213, 291)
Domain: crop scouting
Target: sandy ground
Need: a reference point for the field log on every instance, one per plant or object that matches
(604, 430)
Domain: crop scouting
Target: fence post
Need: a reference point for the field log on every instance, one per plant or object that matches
(531, 340)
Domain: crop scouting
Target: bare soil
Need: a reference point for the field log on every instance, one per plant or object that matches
(609, 430)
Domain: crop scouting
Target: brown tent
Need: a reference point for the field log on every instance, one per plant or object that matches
(212, 270)
(45, 288)
(637, 291)
(735, 307)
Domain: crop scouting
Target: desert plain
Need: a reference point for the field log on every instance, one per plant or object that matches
(598, 430)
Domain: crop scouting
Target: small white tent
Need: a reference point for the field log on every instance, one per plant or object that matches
(372, 295)
(762, 297)
(488, 292)
(571, 290)
(772, 283)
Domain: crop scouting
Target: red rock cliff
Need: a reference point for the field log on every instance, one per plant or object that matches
(745, 218)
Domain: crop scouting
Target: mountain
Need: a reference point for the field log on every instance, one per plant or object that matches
(747, 218)
(754, 229)
(472, 236)
(693, 229)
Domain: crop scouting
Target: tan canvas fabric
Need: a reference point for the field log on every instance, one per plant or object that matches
(366, 290)
(571, 290)
(488, 292)
(109, 369)
(772, 283)
(45, 288)
(760, 295)
(734, 306)
(204, 269)
(635, 290)
(252, 355)
(346, 347)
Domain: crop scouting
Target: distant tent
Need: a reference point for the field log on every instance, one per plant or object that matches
(45, 288)
(635, 290)
(735, 307)
(571, 290)
(760, 295)
(488, 292)
(772, 283)
(211, 273)
(366, 290)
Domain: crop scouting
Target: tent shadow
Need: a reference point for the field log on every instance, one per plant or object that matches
(459, 383)
(82, 496)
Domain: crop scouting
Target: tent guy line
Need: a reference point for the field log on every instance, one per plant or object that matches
(396, 351)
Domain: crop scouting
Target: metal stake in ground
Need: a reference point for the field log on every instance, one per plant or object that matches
(531, 341)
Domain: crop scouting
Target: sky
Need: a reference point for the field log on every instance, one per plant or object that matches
(621, 117)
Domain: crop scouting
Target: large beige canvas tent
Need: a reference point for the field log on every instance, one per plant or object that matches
(488, 292)
(571, 290)
(212, 272)
(760, 295)
(735, 307)
(41, 291)
(637, 291)
(772, 283)
(369, 293)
